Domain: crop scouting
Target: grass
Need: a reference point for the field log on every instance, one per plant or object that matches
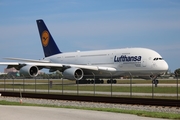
(42, 84)
(135, 112)
(135, 89)
(119, 81)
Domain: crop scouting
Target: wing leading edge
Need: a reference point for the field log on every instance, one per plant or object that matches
(58, 65)
(27, 60)
(69, 71)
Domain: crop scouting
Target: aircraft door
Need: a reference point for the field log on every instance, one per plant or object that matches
(59, 59)
(144, 62)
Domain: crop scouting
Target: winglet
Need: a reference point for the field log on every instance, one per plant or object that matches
(48, 43)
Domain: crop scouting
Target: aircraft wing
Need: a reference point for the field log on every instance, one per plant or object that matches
(90, 67)
(9, 63)
(27, 60)
(56, 65)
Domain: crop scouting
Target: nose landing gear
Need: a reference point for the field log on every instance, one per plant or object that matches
(155, 81)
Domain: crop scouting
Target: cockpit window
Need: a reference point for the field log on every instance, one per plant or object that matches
(155, 58)
(158, 59)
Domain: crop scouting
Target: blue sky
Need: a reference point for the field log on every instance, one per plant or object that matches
(91, 25)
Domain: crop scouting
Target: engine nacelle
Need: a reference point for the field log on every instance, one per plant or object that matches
(73, 74)
(29, 71)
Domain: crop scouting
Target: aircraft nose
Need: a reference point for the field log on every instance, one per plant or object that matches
(165, 66)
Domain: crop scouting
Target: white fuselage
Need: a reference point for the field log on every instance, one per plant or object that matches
(128, 61)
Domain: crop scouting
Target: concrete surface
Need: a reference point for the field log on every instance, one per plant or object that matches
(45, 113)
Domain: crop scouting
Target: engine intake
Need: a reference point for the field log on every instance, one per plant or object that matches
(29, 71)
(73, 73)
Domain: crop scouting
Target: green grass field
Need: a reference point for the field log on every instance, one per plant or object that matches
(66, 85)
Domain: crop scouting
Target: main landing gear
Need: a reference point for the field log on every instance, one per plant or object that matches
(111, 81)
(84, 81)
(97, 81)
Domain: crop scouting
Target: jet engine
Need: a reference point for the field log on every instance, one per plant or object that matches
(29, 71)
(73, 73)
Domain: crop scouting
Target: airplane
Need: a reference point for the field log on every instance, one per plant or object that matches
(95, 64)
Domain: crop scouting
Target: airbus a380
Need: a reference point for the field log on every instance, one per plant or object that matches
(98, 64)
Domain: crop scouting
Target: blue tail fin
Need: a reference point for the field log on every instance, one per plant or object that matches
(48, 43)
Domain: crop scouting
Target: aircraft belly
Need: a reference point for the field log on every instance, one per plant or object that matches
(116, 74)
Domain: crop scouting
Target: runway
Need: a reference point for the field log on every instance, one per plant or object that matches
(45, 113)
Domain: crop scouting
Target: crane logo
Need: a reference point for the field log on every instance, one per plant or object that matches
(45, 38)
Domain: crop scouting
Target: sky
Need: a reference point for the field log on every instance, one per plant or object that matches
(91, 25)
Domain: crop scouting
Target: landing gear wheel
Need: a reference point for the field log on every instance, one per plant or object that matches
(114, 81)
(101, 81)
(92, 81)
(155, 81)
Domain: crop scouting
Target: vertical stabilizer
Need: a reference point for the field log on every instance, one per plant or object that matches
(48, 43)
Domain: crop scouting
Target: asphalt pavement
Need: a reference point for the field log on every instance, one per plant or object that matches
(46, 113)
